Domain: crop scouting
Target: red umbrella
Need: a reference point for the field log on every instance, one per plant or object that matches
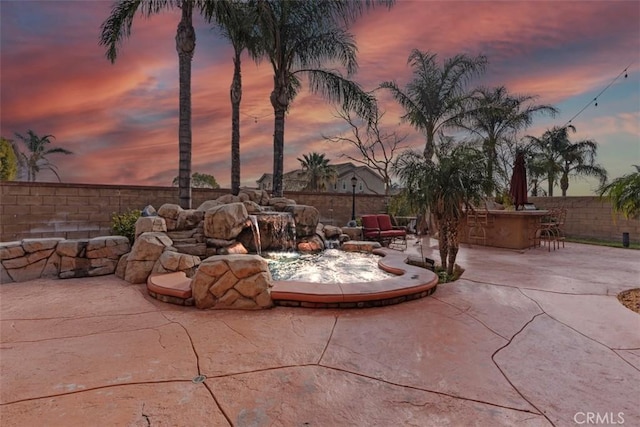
(518, 190)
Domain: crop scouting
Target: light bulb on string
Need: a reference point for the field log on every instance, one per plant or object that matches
(594, 101)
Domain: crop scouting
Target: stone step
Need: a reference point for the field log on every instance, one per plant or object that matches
(197, 249)
(173, 288)
(186, 241)
(178, 235)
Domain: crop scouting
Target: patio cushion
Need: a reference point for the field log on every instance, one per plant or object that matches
(384, 221)
(370, 222)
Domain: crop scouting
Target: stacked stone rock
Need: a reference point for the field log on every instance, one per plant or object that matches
(211, 244)
(31, 259)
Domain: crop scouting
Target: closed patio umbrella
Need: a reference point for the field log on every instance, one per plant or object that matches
(518, 188)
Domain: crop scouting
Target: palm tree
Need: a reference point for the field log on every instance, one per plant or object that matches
(436, 98)
(118, 27)
(36, 157)
(446, 187)
(624, 194)
(559, 157)
(300, 38)
(317, 170)
(496, 117)
(238, 26)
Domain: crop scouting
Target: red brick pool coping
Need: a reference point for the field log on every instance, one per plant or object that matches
(410, 283)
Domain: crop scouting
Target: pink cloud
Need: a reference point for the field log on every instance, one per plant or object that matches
(55, 79)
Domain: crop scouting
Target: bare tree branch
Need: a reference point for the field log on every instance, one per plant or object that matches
(378, 148)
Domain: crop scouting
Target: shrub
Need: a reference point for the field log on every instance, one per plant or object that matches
(8, 161)
(124, 224)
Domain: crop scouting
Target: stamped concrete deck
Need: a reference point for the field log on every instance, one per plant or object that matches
(531, 338)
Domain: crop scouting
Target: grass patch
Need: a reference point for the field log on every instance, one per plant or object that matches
(599, 242)
(443, 277)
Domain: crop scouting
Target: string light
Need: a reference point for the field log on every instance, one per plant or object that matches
(256, 118)
(594, 101)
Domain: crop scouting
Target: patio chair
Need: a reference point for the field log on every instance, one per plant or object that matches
(379, 228)
(394, 234)
(370, 228)
(559, 216)
(551, 229)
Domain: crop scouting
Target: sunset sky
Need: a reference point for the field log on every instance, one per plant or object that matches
(121, 120)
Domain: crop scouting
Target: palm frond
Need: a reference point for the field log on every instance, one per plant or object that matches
(335, 88)
(117, 26)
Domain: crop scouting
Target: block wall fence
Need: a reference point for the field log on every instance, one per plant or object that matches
(80, 211)
(591, 217)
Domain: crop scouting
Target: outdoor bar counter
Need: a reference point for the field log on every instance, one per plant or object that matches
(508, 228)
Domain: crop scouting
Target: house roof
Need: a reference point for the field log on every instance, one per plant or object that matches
(295, 180)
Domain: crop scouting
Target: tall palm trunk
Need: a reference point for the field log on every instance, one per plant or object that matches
(236, 97)
(185, 45)
(490, 150)
(279, 101)
(443, 242)
(564, 183)
(429, 146)
(454, 244)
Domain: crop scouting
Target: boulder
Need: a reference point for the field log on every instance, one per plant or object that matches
(151, 224)
(170, 262)
(306, 219)
(205, 206)
(235, 248)
(261, 197)
(170, 213)
(360, 246)
(225, 221)
(196, 249)
(145, 252)
(73, 248)
(122, 266)
(332, 232)
(29, 271)
(280, 203)
(148, 211)
(219, 243)
(189, 219)
(252, 207)
(232, 281)
(228, 198)
(311, 244)
(36, 245)
(10, 250)
(107, 247)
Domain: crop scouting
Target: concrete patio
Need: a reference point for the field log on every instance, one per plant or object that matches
(531, 338)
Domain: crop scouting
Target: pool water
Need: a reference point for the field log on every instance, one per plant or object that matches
(330, 266)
